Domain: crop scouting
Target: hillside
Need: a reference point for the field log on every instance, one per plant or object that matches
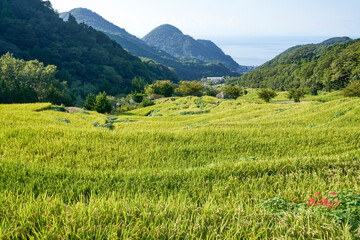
(236, 170)
(185, 69)
(329, 65)
(171, 40)
(87, 59)
(128, 41)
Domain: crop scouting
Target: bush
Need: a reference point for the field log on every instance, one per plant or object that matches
(352, 90)
(102, 104)
(193, 88)
(233, 91)
(266, 94)
(165, 88)
(296, 94)
(211, 92)
(147, 102)
(137, 97)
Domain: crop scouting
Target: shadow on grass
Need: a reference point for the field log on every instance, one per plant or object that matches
(124, 114)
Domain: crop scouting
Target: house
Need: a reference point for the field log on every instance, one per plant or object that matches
(223, 96)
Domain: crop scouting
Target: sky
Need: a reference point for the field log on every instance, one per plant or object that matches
(229, 18)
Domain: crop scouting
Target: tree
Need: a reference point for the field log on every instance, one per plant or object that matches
(30, 81)
(137, 97)
(233, 91)
(102, 104)
(352, 90)
(164, 87)
(90, 102)
(53, 95)
(193, 88)
(138, 84)
(266, 94)
(296, 94)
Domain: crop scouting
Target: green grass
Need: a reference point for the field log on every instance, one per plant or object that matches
(176, 176)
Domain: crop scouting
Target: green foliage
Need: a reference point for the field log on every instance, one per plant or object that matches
(137, 97)
(138, 84)
(102, 104)
(211, 92)
(277, 205)
(57, 108)
(233, 91)
(90, 102)
(352, 90)
(147, 102)
(165, 88)
(87, 59)
(54, 96)
(193, 88)
(266, 94)
(30, 81)
(296, 94)
(326, 66)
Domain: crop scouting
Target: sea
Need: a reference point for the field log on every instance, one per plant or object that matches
(254, 51)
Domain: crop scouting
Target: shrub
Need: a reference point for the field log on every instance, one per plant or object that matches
(165, 88)
(211, 92)
(233, 91)
(102, 104)
(147, 102)
(296, 94)
(137, 97)
(193, 88)
(352, 90)
(266, 94)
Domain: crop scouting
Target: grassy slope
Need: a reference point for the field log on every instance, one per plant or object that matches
(177, 176)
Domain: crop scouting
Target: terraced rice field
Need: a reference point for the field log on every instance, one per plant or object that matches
(185, 168)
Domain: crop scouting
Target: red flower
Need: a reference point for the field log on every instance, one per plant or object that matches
(333, 193)
(311, 202)
(317, 194)
(324, 201)
(337, 203)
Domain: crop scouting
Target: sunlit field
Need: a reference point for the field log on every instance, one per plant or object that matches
(185, 168)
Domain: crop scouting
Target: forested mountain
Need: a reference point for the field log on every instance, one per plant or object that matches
(187, 69)
(329, 65)
(87, 59)
(171, 40)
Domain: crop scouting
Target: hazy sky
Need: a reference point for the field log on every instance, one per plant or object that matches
(206, 18)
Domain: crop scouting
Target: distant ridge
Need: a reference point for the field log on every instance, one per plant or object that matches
(128, 41)
(171, 40)
(186, 68)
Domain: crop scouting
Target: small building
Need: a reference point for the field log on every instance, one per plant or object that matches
(215, 80)
(223, 96)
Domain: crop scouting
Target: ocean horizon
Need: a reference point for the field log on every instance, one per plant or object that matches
(255, 51)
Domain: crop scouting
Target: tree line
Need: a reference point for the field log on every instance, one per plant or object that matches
(314, 66)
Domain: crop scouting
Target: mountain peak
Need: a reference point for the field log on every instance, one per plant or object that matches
(171, 40)
(165, 29)
(335, 40)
